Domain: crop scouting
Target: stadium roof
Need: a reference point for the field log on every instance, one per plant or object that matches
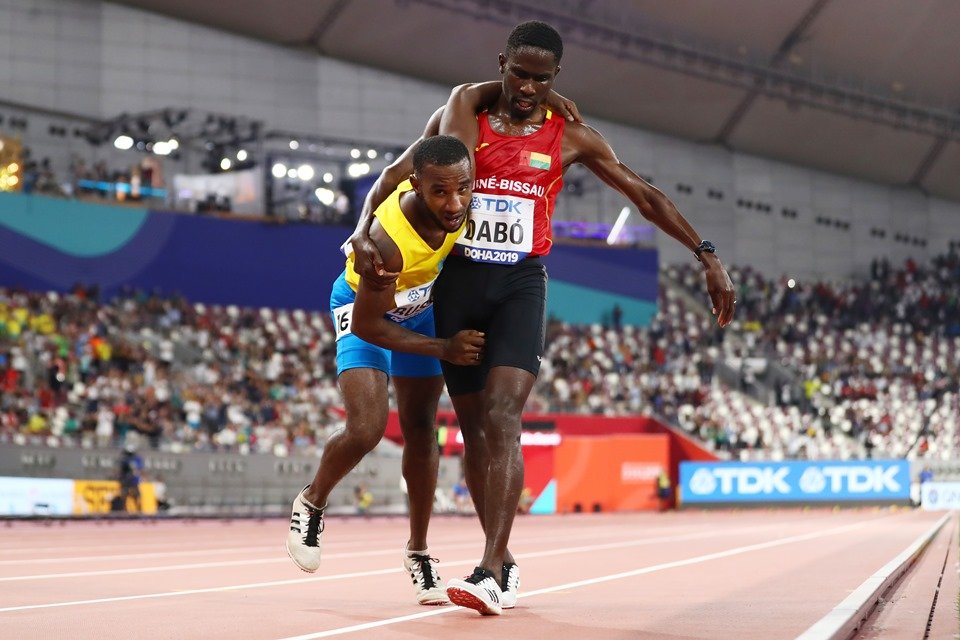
(867, 88)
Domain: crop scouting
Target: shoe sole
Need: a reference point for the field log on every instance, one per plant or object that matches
(434, 603)
(298, 565)
(466, 599)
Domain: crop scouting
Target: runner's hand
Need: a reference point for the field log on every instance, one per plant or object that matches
(721, 292)
(465, 348)
(564, 107)
(368, 263)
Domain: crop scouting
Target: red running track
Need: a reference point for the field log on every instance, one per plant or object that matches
(743, 575)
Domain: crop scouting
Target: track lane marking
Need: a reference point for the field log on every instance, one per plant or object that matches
(376, 572)
(592, 581)
(270, 548)
(283, 558)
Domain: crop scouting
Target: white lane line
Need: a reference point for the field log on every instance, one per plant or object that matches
(138, 556)
(378, 552)
(186, 592)
(592, 581)
(842, 621)
(618, 533)
(454, 563)
(277, 583)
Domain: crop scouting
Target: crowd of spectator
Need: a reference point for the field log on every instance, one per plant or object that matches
(78, 372)
(875, 366)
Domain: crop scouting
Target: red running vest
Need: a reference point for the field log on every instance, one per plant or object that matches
(517, 182)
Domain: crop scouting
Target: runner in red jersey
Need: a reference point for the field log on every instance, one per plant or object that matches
(515, 188)
(503, 294)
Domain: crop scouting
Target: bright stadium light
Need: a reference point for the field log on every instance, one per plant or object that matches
(325, 196)
(162, 148)
(242, 155)
(225, 164)
(357, 169)
(123, 142)
(328, 177)
(305, 172)
(372, 154)
(791, 283)
(618, 225)
(294, 145)
(279, 170)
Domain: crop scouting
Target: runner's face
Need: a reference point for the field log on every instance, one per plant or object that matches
(528, 75)
(447, 192)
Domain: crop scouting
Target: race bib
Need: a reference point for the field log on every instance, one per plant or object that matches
(411, 302)
(342, 317)
(499, 230)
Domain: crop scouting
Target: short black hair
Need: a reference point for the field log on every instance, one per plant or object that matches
(442, 151)
(538, 35)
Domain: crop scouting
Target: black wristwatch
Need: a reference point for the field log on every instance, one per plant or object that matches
(705, 246)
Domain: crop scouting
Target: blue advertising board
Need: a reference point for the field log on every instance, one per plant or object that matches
(794, 481)
(51, 244)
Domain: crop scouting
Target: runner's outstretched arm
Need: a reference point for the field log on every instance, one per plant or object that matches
(594, 152)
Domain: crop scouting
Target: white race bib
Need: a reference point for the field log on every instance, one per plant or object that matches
(412, 302)
(499, 230)
(342, 320)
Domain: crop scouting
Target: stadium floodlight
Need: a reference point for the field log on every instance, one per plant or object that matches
(225, 164)
(357, 169)
(241, 155)
(123, 142)
(618, 225)
(372, 154)
(328, 177)
(294, 145)
(325, 196)
(305, 172)
(279, 170)
(354, 153)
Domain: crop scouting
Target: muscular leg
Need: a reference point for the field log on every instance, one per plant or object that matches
(476, 457)
(365, 398)
(417, 405)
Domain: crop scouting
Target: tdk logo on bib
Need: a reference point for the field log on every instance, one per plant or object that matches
(499, 230)
(794, 481)
(508, 205)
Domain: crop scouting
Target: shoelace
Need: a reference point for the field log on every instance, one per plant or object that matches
(507, 575)
(479, 575)
(427, 573)
(314, 527)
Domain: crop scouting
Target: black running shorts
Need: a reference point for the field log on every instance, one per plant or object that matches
(507, 303)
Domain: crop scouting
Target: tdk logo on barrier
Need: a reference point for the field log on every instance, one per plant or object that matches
(745, 480)
(742, 480)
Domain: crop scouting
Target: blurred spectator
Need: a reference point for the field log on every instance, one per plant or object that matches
(131, 469)
(363, 498)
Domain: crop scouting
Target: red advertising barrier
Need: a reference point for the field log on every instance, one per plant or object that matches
(559, 423)
(609, 462)
(610, 473)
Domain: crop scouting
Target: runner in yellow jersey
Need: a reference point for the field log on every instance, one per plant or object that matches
(385, 332)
